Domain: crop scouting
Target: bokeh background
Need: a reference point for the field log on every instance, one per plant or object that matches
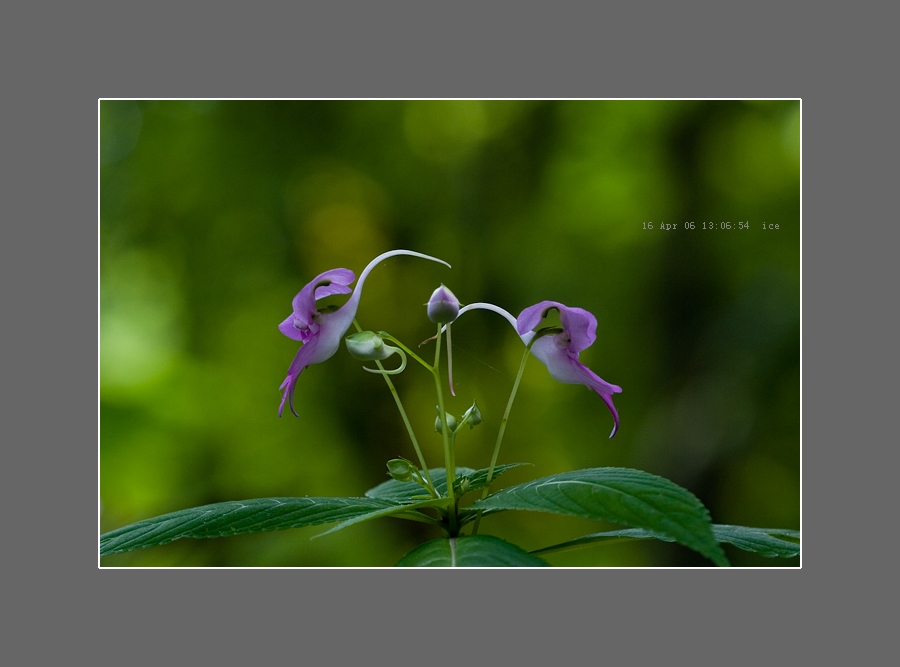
(213, 215)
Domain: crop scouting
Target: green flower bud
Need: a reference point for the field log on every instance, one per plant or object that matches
(402, 470)
(472, 416)
(368, 346)
(462, 485)
(451, 421)
(443, 306)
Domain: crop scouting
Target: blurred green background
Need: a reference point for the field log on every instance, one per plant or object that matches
(213, 215)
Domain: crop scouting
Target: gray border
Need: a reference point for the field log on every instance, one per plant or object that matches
(466, 50)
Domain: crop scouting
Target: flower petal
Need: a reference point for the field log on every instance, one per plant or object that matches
(340, 279)
(569, 370)
(612, 408)
(332, 327)
(330, 282)
(530, 317)
(303, 358)
(580, 326)
(295, 333)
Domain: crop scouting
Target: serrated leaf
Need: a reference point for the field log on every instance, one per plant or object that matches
(406, 492)
(757, 540)
(407, 511)
(629, 497)
(479, 477)
(236, 518)
(470, 551)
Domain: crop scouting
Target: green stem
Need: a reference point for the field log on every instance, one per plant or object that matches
(409, 428)
(450, 361)
(449, 461)
(385, 334)
(509, 403)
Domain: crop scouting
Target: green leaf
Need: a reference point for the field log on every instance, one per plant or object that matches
(630, 497)
(479, 477)
(758, 540)
(409, 492)
(470, 551)
(236, 518)
(401, 511)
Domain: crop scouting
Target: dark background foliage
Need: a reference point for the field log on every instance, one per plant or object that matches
(213, 215)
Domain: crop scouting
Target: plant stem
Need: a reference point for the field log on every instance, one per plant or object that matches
(450, 361)
(412, 435)
(449, 461)
(409, 428)
(509, 403)
(385, 334)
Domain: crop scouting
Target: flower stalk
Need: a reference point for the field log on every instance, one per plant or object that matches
(501, 432)
(385, 334)
(409, 428)
(449, 459)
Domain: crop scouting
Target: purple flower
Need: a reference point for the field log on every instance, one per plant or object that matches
(559, 353)
(321, 331)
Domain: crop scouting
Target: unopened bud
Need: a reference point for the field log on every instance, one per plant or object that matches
(462, 485)
(402, 470)
(472, 416)
(368, 346)
(443, 306)
(451, 421)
